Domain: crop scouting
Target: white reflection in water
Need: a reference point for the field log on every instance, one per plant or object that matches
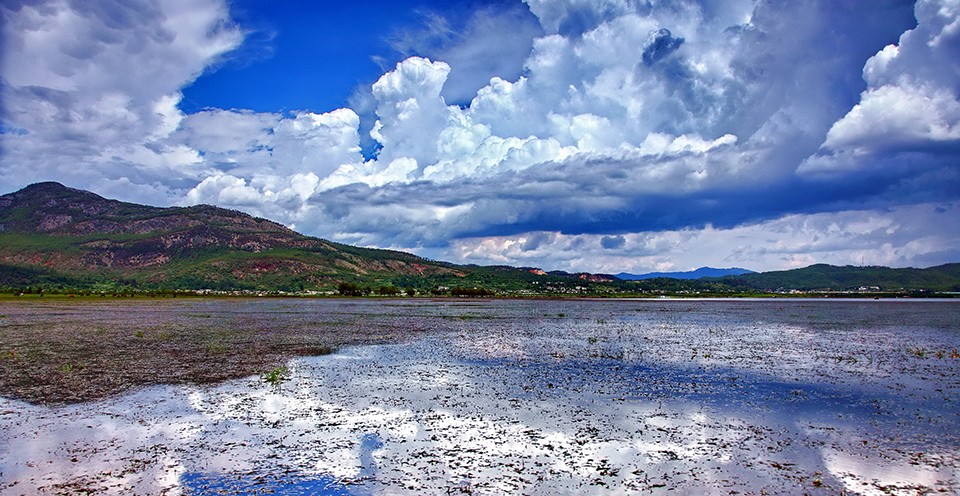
(607, 401)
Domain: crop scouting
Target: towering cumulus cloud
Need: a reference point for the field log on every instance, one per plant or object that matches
(639, 135)
(912, 101)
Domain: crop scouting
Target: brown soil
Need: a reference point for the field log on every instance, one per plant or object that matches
(59, 350)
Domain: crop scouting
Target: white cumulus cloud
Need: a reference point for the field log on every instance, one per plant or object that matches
(911, 103)
(90, 89)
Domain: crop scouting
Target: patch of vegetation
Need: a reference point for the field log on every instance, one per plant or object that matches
(460, 291)
(351, 289)
(275, 376)
(69, 367)
(388, 290)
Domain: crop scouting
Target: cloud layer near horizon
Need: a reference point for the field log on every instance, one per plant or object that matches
(638, 137)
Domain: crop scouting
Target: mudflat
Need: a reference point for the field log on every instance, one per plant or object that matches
(59, 350)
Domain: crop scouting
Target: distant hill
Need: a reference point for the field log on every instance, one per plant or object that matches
(53, 234)
(693, 274)
(55, 237)
(849, 278)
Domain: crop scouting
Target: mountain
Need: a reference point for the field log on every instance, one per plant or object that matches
(64, 239)
(693, 274)
(53, 234)
(849, 278)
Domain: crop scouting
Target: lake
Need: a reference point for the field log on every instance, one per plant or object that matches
(533, 397)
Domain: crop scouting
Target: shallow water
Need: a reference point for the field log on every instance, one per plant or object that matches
(543, 397)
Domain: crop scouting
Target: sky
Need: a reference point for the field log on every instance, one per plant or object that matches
(579, 135)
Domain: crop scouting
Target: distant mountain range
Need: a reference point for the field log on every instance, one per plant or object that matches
(54, 238)
(692, 274)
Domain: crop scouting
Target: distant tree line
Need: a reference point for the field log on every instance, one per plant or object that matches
(458, 291)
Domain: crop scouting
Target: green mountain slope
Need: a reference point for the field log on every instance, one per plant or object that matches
(57, 235)
(828, 277)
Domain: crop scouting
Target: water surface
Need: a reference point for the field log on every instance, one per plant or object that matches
(542, 397)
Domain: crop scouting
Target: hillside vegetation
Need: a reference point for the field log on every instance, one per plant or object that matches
(51, 234)
(57, 238)
(848, 278)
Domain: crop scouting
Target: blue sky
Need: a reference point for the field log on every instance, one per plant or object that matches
(324, 50)
(583, 135)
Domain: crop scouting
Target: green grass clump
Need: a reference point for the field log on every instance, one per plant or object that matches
(918, 351)
(69, 367)
(276, 376)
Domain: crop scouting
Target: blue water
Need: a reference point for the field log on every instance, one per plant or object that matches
(289, 482)
(284, 483)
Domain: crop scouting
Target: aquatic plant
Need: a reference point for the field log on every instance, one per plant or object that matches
(275, 376)
(918, 351)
